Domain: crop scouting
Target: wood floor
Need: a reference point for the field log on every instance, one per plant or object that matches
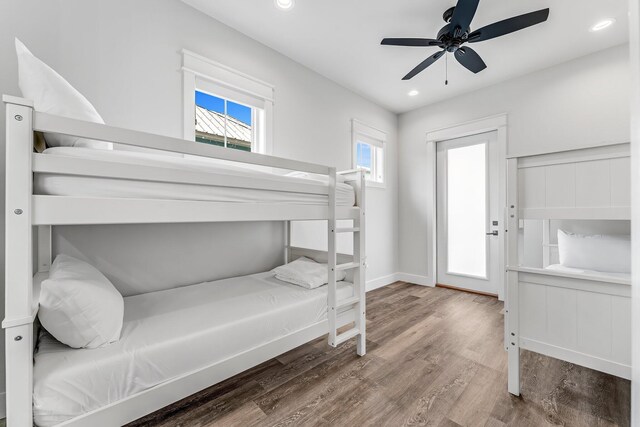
(435, 358)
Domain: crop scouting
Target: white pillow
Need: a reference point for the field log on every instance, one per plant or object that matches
(306, 273)
(596, 252)
(79, 306)
(52, 94)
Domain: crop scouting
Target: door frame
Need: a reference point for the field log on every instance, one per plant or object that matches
(497, 123)
(634, 39)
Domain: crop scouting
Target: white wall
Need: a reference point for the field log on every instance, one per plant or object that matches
(125, 57)
(580, 103)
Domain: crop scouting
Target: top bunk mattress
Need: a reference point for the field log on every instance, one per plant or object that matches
(60, 184)
(170, 333)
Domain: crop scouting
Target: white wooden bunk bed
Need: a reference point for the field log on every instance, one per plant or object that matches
(583, 317)
(232, 332)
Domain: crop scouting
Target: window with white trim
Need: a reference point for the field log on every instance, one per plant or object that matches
(369, 151)
(225, 107)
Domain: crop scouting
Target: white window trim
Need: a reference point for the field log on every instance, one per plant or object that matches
(223, 81)
(376, 138)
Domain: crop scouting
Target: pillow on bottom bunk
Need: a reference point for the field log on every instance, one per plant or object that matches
(79, 306)
(595, 252)
(306, 272)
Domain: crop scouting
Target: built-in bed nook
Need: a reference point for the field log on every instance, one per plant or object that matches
(173, 342)
(568, 257)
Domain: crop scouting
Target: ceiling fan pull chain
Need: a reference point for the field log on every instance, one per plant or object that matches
(446, 69)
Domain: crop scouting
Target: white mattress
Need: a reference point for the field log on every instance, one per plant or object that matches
(604, 274)
(88, 186)
(169, 333)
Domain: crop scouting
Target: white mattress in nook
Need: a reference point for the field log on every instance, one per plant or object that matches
(604, 274)
(169, 333)
(59, 184)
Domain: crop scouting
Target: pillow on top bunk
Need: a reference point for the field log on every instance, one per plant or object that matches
(595, 252)
(306, 272)
(79, 306)
(52, 94)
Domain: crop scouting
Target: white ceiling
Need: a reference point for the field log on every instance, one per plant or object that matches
(340, 39)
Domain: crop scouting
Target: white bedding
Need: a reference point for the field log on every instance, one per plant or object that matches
(87, 186)
(169, 333)
(561, 268)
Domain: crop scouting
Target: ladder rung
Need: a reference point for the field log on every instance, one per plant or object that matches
(348, 230)
(346, 336)
(347, 302)
(347, 266)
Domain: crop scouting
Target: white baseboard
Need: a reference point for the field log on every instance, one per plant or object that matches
(3, 405)
(381, 281)
(415, 279)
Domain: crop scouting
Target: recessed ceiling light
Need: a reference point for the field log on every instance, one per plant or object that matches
(413, 93)
(606, 23)
(284, 4)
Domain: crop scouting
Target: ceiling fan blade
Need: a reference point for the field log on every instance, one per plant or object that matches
(424, 64)
(470, 59)
(507, 26)
(410, 42)
(462, 16)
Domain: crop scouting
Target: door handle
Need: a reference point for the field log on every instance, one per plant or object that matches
(493, 233)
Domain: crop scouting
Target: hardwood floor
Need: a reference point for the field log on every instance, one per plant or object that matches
(435, 358)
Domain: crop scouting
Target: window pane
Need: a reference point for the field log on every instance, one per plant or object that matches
(363, 156)
(467, 210)
(210, 119)
(239, 129)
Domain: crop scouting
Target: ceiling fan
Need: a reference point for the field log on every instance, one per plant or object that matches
(457, 32)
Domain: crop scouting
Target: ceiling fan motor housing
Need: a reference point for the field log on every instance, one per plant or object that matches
(450, 44)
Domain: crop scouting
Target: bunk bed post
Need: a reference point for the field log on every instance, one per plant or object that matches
(18, 321)
(546, 243)
(332, 260)
(44, 248)
(511, 301)
(287, 241)
(359, 275)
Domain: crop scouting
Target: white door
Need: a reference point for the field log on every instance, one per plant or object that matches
(469, 223)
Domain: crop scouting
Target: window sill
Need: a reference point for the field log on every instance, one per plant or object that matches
(373, 184)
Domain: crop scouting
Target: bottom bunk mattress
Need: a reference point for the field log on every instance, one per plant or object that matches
(170, 333)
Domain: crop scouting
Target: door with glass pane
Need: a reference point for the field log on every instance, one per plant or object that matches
(468, 219)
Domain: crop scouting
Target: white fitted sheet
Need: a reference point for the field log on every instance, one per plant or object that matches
(603, 274)
(169, 333)
(88, 186)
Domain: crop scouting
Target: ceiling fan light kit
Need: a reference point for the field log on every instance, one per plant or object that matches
(457, 32)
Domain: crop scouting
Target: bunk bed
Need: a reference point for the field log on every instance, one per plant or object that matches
(578, 315)
(236, 323)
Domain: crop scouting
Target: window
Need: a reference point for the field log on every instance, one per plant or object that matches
(224, 123)
(369, 152)
(224, 107)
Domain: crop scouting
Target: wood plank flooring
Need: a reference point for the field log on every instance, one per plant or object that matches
(435, 358)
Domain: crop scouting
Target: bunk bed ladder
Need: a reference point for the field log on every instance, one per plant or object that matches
(357, 300)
